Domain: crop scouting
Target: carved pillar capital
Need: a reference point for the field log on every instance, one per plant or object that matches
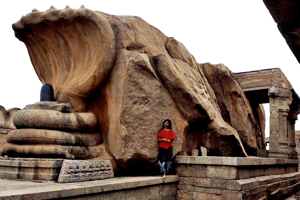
(279, 92)
(284, 104)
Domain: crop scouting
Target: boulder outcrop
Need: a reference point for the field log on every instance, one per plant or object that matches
(131, 77)
(286, 13)
(235, 107)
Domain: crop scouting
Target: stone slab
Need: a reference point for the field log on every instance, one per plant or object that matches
(262, 153)
(85, 170)
(203, 151)
(222, 172)
(191, 171)
(154, 187)
(233, 161)
(51, 105)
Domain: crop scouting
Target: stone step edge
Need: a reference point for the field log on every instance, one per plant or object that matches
(59, 190)
(233, 161)
(244, 184)
(238, 185)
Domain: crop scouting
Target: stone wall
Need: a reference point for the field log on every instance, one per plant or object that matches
(229, 178)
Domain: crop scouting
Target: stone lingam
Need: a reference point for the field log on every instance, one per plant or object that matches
(115, 79)
(50, 129)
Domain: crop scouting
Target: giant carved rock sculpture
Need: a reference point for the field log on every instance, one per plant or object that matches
(130, 76)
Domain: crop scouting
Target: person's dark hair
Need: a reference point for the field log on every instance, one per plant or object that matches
(170, 124)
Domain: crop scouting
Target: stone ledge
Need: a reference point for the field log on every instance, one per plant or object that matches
(244, 184)
(54, 190)
(50, 105)
(232, 161)
(31, 162)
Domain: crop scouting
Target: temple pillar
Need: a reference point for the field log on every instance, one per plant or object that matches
(292, 140)
(294, 111)
(280, 100)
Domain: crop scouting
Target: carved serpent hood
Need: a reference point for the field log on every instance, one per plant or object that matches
(73, 50)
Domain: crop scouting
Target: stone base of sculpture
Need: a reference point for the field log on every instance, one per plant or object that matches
(236, 178)
(3, 133)
(55, 169)
(51, 130)
(30, 168)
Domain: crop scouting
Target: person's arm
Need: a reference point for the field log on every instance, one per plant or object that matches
(160, 139)
(172, 137)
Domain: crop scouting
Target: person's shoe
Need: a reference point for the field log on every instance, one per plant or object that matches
(164, 176)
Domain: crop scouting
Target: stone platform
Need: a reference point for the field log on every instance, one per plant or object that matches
(147, 187)
(232, 178)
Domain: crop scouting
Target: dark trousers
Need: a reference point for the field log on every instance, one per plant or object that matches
(165, 159)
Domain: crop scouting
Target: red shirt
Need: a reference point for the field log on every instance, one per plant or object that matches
(169, 135)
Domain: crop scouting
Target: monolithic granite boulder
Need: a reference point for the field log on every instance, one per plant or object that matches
(235, 107)
(132, 77)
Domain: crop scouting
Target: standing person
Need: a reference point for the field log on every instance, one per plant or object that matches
(165, 138)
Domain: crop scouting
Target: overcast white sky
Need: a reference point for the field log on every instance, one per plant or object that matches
(240, 34)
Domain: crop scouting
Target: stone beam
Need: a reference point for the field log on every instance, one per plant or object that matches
(262, 79)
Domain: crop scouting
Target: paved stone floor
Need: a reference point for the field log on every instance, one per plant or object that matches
(12, 185)
(16, 189)
(21, 189)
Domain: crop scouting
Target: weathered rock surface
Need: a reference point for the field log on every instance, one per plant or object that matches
(235, 107)
(132, 77)
(286, 13)
(6, 124)
(74, 55)
(6, 118)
